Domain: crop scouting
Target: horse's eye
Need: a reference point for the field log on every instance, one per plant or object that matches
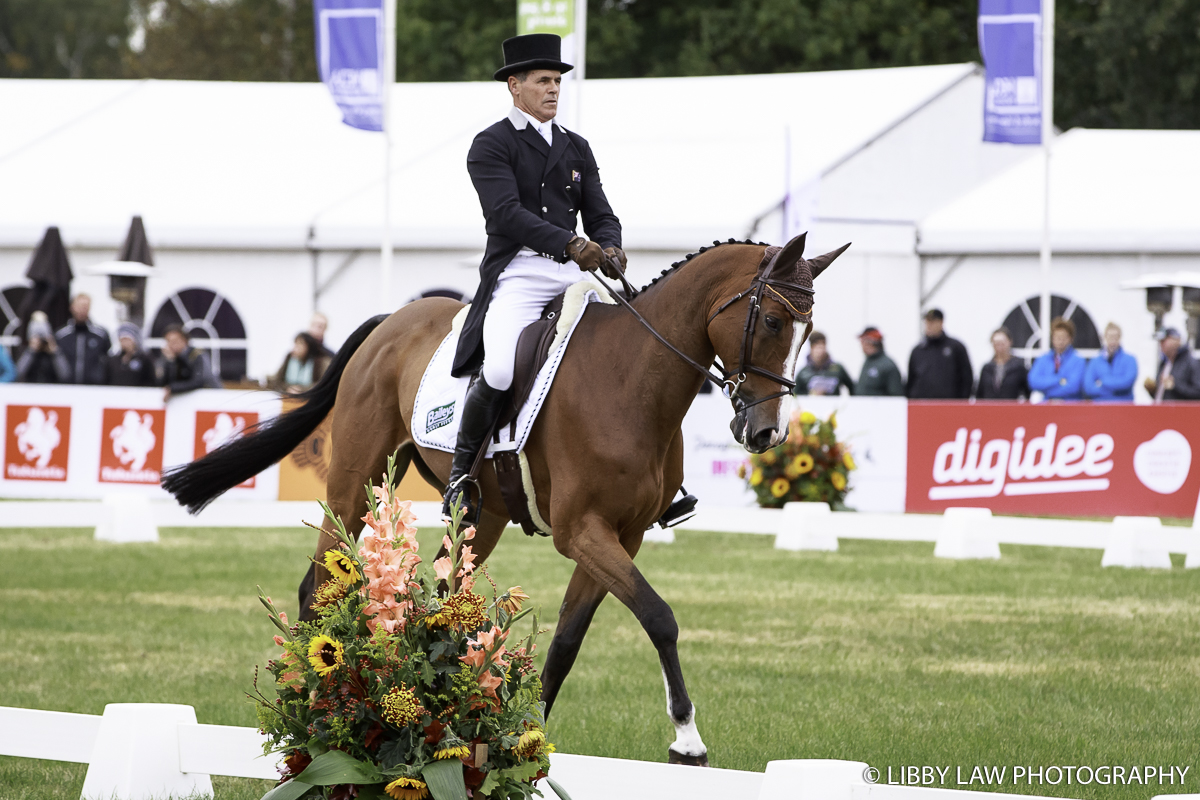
(772, 324)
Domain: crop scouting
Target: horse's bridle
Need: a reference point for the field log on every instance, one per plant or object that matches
(731, 380)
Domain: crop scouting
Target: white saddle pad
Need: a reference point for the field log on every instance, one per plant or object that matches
(435, 419)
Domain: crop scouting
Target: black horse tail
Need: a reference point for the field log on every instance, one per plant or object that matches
(197, 484)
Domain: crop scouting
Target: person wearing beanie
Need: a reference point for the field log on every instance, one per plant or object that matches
(130, 366)
(42, 361)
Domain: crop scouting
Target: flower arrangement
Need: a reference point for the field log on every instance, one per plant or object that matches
(404, 686)
(811, 466)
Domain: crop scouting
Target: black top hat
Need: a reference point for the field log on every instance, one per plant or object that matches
(532, 51)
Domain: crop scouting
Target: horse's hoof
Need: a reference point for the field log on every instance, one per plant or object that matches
(691, 761)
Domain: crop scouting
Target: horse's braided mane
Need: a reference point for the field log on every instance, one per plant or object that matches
(690, 256)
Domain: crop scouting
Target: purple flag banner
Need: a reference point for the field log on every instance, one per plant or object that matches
(351, 58)
(1010, 39)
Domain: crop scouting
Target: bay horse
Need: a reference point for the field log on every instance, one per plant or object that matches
(606, 451)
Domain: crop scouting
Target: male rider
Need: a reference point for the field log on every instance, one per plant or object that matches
(534, 180)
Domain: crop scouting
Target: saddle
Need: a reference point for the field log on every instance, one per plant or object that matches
(533, 348)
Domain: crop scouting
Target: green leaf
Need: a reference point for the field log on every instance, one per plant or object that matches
(558, 790)
(524, 771)
(338, 767)
(489, 783)
(288, 791)
(445, 779)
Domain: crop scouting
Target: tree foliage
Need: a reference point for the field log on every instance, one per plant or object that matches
(1120, 63)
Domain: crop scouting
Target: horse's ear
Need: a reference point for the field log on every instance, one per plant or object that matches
(821, 262)
(787, 258)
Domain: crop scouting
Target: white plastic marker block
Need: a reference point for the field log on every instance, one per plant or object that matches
(1136, 542)
(806, 526)
(126, 518)
(811, 779)
(659, 535)
(136, 755)
(966, 533)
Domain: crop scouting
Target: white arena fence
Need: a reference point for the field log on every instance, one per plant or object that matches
(150, 751)
(958, 533)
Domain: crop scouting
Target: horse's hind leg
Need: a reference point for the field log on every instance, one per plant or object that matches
(356, 460)
(595, 547)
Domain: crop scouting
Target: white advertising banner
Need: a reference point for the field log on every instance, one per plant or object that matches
(876, 429)
(85, 442)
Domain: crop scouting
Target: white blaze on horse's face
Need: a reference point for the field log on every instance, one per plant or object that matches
(799, 329)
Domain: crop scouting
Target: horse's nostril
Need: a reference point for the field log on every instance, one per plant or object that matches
(763, 438)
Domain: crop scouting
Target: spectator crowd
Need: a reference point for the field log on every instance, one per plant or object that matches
(81, 352)
(940, 368)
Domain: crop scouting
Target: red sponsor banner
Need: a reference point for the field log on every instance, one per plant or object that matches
(215, 428)
(131, 445)
(37, 441)
(1076, 459)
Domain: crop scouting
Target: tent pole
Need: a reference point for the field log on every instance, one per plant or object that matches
(389, 79)
(1047, 139)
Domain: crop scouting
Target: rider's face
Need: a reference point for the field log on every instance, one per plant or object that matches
(537, 95)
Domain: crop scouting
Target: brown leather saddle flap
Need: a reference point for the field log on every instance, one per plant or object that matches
(533, 348)
(507, 464)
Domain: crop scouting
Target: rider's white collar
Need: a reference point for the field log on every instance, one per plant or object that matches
(520, 119)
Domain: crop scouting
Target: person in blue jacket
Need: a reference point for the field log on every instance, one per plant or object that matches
(8, 372)
(1111, 374)
(1059, 374)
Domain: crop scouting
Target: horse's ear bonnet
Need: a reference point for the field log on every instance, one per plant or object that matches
(792, 276)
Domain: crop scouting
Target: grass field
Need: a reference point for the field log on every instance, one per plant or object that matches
(878, 652)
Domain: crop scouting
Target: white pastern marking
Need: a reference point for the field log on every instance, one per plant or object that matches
(687, 736)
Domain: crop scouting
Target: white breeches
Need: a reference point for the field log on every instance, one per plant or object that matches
(524, 288)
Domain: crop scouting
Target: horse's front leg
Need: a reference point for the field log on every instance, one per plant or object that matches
(583, 597)
(594, 545)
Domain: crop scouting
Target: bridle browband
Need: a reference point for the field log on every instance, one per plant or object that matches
(761, 283)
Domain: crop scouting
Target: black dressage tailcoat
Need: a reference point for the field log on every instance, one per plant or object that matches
(532, 195)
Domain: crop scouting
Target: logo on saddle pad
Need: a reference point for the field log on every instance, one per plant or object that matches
(439, 417)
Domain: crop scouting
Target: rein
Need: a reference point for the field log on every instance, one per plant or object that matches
(726, 383)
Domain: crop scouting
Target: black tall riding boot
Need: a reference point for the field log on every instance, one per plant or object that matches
(480, 410)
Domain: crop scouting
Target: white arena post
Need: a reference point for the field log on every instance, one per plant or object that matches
(136, 755)
(967, 533)
(812, 779)
(1136, 542)
(806, 526)
(126, 518)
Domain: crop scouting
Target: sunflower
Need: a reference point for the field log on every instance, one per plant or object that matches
(741, 472)
(401, 707)
(324, 654)
(838, 480)
(779, 487)
(341, 565)
(802, 464)
(530, 743)
(848, 460)
(767, 458)
(460, 750)
(511, 600)
(756, 477)
(807, 418)
(407, 789)
(833, 420)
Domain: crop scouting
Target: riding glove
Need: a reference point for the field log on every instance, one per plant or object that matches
(587, 254)
(614, 266)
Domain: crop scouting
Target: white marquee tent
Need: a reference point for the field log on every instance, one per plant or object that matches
(257, 191)
(1123, 204)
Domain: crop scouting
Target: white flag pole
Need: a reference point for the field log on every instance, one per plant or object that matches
(389, 79)
(1047, 139)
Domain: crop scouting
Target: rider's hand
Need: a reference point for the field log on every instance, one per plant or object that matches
(585, 253)
(614, 266)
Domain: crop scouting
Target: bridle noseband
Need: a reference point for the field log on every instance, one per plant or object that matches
(731, 380)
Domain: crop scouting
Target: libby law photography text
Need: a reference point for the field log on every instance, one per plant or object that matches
(1026, 775)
